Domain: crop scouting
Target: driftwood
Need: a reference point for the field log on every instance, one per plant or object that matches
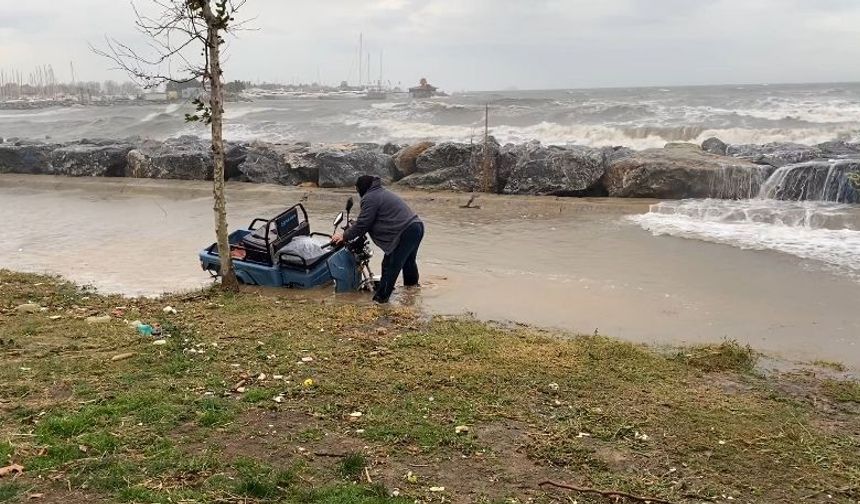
(329, 454)
(11, 470)
(122, 356)
(611, 494)
(469, 204)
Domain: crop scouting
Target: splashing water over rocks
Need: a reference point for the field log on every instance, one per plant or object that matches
(814, 180)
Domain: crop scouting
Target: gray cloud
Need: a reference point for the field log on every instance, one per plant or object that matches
(484, 44)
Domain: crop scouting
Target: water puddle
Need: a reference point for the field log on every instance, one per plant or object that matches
(579, 265)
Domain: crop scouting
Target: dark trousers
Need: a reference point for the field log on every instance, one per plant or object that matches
(402, 258)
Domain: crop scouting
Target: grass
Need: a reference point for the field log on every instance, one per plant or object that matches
(169, 424)
(9, 491)
(842, 391)
(727, 356)
(352, 465)
(258, 481)
(832, 366)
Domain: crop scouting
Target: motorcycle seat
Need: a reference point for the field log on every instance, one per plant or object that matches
(263, 242)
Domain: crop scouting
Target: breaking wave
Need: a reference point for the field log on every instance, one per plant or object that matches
(167, 113)
(637, 137)
(637, 118)
(825, 233)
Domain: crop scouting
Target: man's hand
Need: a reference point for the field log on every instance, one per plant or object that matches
(337, 238)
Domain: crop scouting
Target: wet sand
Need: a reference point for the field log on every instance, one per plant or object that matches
(575, 264)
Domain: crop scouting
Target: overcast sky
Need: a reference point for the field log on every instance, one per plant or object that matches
(482, 44)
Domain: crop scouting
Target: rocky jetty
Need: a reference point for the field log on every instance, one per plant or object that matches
(342, 168)
(185, 158)
(92, 159)
(406, 158)
(24, 157)
(713, 170)
(683, 171)
(558, 171)
(291, 164)
(775, 154)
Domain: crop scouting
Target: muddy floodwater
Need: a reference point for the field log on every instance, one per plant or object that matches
(579, 265)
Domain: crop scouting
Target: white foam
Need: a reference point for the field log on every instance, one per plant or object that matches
(401, 127)
(634, 119)
(50, 112)
(390, 105)
(813, 111)
(239, 132)
(826, 233)
(236, 113)
(168, 110)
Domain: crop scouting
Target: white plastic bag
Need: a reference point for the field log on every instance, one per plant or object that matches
(303, 247)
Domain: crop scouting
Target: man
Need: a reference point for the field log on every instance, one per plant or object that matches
(393, 227)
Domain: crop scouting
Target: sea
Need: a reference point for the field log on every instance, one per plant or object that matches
(634, 117)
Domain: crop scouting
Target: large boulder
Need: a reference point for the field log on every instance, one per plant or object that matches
(614, 154)
(825, 180)
(560, 171)
(341, 168)
(186, 158)
(683, 171)
(283, 164)
(453, 178)
(455, 167)
(715, 146)
(29, 158)
(506, 161)
(405, 158)
(91, 160)
(839, 149)
(106, 142)
(234, 155)
(775, 154)
(392, 148)
(444, 155)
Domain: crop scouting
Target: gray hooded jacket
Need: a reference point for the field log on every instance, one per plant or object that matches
(384, 215)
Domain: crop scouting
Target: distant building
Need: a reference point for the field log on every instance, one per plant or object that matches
(423, 90)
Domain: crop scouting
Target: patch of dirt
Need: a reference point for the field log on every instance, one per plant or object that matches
(501, 470)
(831, 416)
(39, 491)
(282, 437)
(727, 384)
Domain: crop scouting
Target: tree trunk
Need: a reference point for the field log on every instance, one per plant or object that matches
(229, 282)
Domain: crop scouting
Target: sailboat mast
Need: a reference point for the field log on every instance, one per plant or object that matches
(360, 56)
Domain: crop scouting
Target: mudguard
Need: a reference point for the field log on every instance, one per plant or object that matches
(344, 271)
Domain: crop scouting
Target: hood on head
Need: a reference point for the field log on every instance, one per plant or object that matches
(366, 183)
